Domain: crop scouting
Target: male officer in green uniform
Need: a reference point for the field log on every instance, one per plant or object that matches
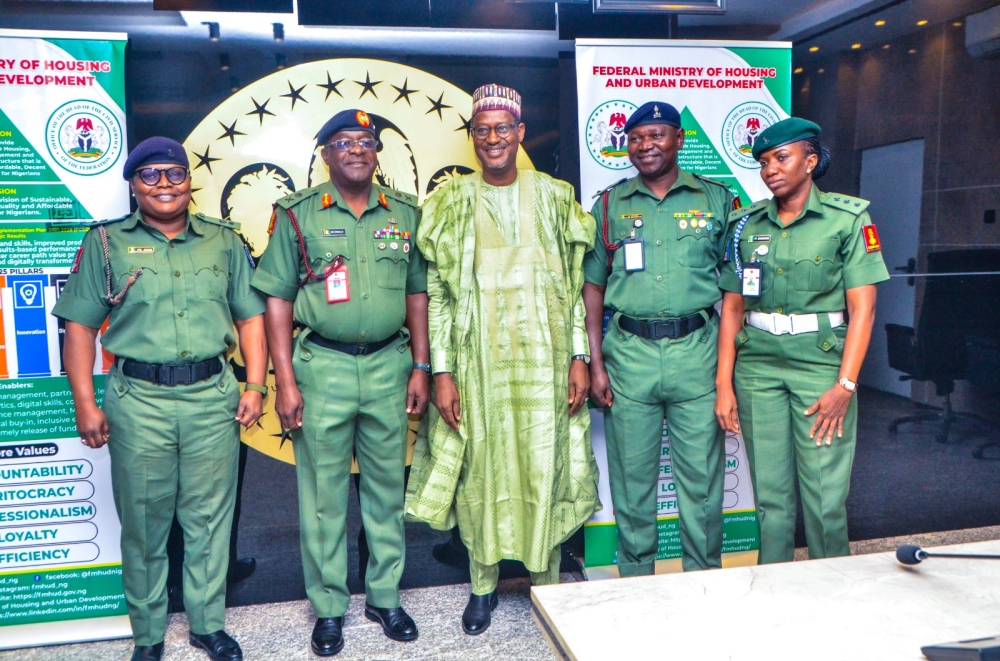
(342, 262)
(654, 264)
(174, 284)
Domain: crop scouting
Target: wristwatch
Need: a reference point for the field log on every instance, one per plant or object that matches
(256, 388)
(847, 384)
(423, 366)
(582, 356)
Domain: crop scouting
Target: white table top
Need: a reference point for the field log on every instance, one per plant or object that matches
(857, 608)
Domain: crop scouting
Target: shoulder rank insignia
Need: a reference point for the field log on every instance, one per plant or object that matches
(382, 200)
(76, 261)
(326, 200)
(872, 243)
(274, 219)
(736, 203)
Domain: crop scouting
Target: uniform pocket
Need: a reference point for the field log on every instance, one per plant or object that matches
(211, 275)
(392, 260)
(145, 288)
(695, 242)
(815, 265)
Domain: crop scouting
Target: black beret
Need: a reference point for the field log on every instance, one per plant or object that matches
(654, 112)
(155, 150)
(780, 133)
(345, 120)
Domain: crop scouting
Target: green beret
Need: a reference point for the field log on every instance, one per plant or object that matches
(788, 130)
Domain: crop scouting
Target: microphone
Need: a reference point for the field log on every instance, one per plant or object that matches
(909, 554)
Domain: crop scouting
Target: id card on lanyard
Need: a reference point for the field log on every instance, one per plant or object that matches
(753, 274)
(634, 254)
(338, 284)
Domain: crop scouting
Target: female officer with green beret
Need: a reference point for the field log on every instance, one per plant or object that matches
(798, 267)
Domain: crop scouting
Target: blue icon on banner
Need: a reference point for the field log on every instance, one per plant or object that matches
(28, 295)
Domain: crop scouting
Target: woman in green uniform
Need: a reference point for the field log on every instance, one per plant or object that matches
(797, 268)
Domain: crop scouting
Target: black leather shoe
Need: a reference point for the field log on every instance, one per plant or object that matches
(148, 652)
(240, 570)
(219, 645)
(395, 622)
(476, 618)
(328, 636)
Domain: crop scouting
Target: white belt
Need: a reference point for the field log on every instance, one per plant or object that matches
(792, 324)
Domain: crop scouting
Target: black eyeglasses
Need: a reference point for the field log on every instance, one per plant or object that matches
(151, 176)
(367, 144)
(502, 131)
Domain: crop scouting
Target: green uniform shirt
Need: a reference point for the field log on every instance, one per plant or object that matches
(381, 266)
(682, 253)
(181, 309)
(811, 260)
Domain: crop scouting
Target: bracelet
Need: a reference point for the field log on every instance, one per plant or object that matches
(257, 388)
(423, 366)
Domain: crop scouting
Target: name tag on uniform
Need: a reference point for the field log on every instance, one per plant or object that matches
(635, 255)
(141, 250)
(338, 287)
(334, 232)
(753, 274)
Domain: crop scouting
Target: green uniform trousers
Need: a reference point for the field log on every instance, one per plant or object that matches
(777, 378)
(486, 577)
(354, 405)
(653, 381)
(173, 448)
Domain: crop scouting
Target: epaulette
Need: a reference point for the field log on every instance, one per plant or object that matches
(736, 214)
(405, 198)
(108, 221)
(854, 205)
(608, 189)
(289, 201)
(711, 181)
(221, 222)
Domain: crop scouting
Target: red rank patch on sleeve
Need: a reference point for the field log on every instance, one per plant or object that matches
(382, 200)
(76, 262)
(327, 200)
(270, 224)
(736, 203)
(872, 244)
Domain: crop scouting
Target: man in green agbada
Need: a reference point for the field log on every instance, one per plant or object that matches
(507, 452)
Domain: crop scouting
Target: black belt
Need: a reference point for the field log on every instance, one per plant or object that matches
(172, 375)
(351, 349)
(658, 329)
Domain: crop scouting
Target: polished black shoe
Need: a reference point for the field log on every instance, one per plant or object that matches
(148, 652)
(219, 645)
(476, 618)
(328, 636)
(240, 570)
(395, 622)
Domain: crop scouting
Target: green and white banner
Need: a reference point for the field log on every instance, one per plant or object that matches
(727, 93)
(62, 147)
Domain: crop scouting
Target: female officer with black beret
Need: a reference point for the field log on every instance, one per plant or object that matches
(799, 266)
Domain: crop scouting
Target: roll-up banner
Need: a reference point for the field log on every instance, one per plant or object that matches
(62, 145)
(727, 92)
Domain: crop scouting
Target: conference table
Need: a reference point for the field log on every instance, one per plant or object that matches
(855, 608)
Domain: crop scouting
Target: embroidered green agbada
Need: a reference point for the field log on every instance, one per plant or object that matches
(506, 316)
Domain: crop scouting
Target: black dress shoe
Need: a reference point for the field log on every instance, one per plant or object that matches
(395, 622)
(476, 618)
(148, 652)
(219, 645)
(240, 570)
(328, 636)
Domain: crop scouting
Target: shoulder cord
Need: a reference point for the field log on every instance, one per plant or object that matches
(612, 247)
(736, 245)
(310, 274)
(114, 299)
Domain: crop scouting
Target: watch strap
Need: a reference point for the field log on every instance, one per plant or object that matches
(257, 388)
(422, 366)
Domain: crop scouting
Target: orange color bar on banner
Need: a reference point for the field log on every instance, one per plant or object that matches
(4, 372)
(107, 358)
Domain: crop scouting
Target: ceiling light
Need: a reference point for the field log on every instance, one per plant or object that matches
(957, 24)
(224, 61)
(880, 22)
(912, 51)
(798, 70)
(279, 32)
(213, 30)
(821, 71)
(813, 49)
(922, 21)
(886, 47)
(855, 46)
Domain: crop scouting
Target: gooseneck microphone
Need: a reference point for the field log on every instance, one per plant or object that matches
(910, 554)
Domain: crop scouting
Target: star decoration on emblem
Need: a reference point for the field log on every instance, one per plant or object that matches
(368, 86)
(231, 132)
(294, 94)
(205, 159)
(466, 126)
(438, 106)
(330, 86)
(404, 93)
(260, 110)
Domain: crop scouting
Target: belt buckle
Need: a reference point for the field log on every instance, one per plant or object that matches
(165, 375)
(362, 350)
(782, 324)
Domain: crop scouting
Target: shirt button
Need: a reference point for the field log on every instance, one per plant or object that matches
(826, 345)
(779, 310)
(784, 234)
(364, 259)
(781, 271)
(659, 243)
(171, 244)
(215, 267)
(329, 255)
(364, 333)
(818, 258)
(177, 274)
(181, 313)
(659, 211)
(659, 278)
(364, 296)
(659, 314)
(184, 354)
(361, 225)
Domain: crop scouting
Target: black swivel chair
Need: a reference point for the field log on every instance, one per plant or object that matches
(953, 308)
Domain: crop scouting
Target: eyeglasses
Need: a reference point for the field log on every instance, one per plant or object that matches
(502, 131)
(151, 176)
(366, 144)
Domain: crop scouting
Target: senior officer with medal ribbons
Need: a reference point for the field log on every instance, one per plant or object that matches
(173, 284)
(799, 267)
(341, 262)
(654, 264)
